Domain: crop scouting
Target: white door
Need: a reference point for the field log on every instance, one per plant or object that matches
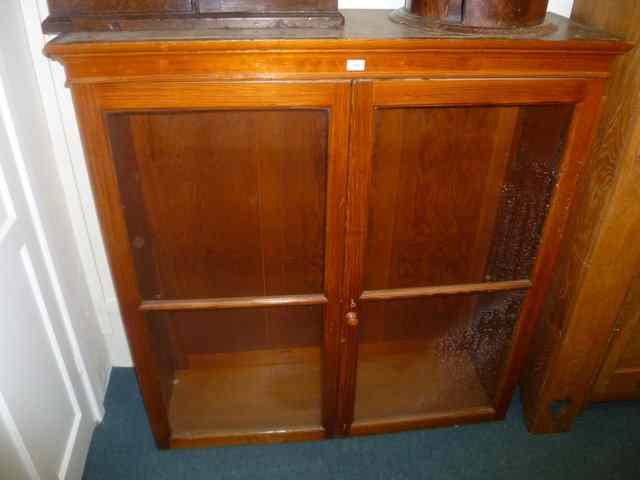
(45, 417)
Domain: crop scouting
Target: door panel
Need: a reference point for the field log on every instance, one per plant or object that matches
(40, 350)
(43, 411)
(451, 185)
(230, 205)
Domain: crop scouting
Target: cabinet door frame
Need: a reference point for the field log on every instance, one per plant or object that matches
(94, 101)
(367, 96)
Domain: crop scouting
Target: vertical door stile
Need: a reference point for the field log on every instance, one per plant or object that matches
(106, 192)
(361, 138)
(338, 158)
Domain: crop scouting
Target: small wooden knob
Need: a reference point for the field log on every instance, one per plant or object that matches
(352, 319)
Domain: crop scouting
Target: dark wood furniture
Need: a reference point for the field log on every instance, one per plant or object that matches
(588, 346)
(318, 234)
(476, 13)
(117, 15)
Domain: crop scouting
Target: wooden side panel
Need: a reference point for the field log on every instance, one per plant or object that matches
(124, 152)
(600, 251)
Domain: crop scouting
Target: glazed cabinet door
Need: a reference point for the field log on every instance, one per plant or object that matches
(222, 209)
(458, 193)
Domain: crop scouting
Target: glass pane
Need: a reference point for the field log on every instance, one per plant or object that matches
(432, 355)
(223, 203)
(244, 370)
(459, 194)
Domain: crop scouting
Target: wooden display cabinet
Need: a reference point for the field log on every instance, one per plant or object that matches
(304, 249)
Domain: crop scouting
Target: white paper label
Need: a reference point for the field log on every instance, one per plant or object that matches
(355, 65)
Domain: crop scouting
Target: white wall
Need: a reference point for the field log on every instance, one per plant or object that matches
(74, 176)
(67, 149)
(53, 358)
(563, 7)
(39, 148)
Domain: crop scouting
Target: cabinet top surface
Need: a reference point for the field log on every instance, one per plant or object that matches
(362, 29)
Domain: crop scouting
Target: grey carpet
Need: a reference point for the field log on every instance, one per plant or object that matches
(604, 444)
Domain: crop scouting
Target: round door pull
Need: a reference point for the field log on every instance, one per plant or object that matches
(352, 319)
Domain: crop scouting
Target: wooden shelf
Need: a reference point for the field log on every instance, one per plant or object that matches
(414, 379)
(247, 395)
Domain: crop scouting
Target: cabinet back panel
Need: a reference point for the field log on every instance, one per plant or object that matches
(224, 203)
(207, 332)
(459, 194)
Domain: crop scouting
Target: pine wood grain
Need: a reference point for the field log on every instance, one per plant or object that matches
(601, 252)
